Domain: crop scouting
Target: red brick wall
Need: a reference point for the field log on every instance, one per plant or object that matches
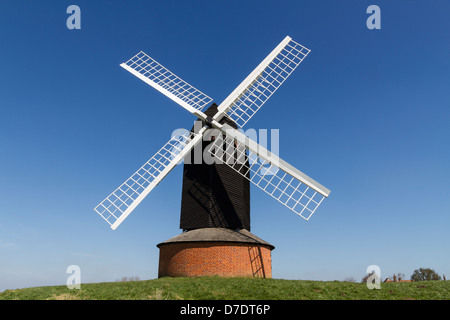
(224, 259)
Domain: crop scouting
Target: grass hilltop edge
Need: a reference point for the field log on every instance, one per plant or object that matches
(217, 288)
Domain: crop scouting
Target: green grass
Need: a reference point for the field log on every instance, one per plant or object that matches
(216, 288)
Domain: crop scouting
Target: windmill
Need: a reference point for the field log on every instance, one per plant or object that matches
(215, 213)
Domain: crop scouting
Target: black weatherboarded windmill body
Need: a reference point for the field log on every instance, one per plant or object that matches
(214, 195)
(215, 205)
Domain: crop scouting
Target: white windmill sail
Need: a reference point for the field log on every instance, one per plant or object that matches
(260, 84)
(280, 180)
(276, 177)
(153, 73)
(122, 201)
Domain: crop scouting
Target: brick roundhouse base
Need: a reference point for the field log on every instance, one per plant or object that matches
(215, 252)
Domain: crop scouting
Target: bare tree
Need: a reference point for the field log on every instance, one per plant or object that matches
(425, 274)
(350, 279)
(125, 279)
(373, 276)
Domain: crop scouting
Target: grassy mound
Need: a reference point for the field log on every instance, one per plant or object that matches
(216, 288)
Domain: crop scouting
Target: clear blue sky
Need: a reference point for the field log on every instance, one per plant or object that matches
(367, 115)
